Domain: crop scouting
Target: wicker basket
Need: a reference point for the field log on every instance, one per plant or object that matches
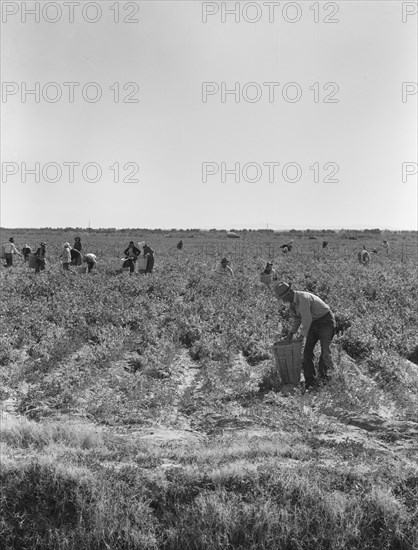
(288, 356)
(82, 269)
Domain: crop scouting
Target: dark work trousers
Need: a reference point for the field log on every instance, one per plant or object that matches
(150, 264)
(90, 266)
(9, 259)
(323, 330)
(129, 263)
(40, 265)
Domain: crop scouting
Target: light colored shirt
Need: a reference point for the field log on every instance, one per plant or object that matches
(91, 258)
(9, 248)
(304, 309)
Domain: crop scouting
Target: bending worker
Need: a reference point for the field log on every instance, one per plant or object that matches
(317, 322)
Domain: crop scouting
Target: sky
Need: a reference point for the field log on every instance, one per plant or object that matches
(189, 114)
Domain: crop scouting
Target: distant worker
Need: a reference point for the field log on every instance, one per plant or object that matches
(324, 244)
(269, 275)
(224, 269)
(40, 258)
(287, 247)
(131, 255)
(149, 254)
(317, 323)
(385, 246)
(9, 250)
(76, 256)
(26, 250)
(66, 257)
(364, 256)
(91, 260)
(180, 245)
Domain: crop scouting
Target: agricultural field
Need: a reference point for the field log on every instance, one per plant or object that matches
(146, 412)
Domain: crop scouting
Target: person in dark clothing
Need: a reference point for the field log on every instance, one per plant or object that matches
(26, 250)
(180, 245)
(77, 257)
(131, 255)
(324, 244)
(149, 253)
(40, 258)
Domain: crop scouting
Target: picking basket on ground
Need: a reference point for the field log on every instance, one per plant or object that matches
(81, 269)
(288, 356)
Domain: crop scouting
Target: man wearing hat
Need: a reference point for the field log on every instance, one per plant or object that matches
(9, 250)
(316, 321)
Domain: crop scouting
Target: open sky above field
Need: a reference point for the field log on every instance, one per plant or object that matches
(312, 105)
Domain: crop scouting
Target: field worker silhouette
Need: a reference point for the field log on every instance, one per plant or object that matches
(76, 256)
(131, 255)
(385, 246)
(317, 322)
(180, 245)
(364, 256)
(66, 256)
(9, 250)
(91, 260)
(26, 250)
(40, 258)
(269, 275)
(224, 269)
(149, 254)
(287, 247)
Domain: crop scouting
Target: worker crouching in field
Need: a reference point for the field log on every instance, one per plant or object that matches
(364, 256)
(317, 323)
(66, 256)
(269, 275)
(90, 260)
(224, 269)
